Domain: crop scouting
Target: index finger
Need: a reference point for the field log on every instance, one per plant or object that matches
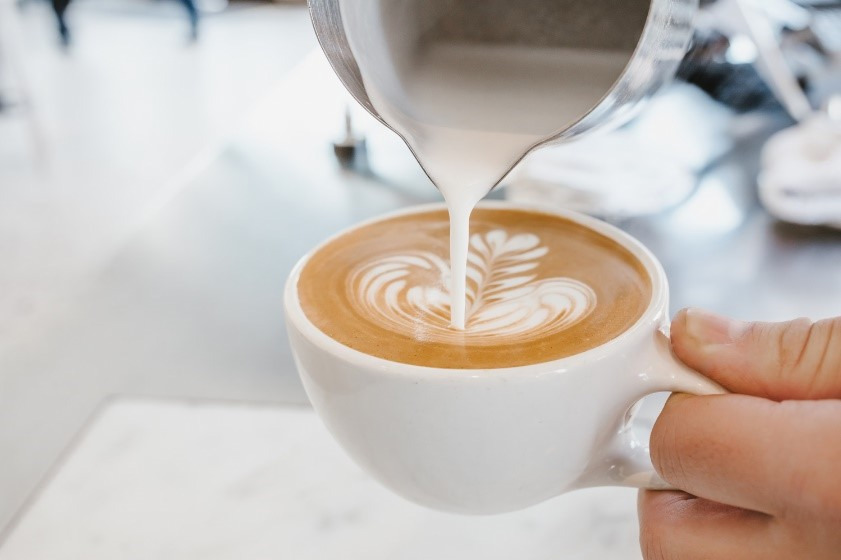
(751, 453)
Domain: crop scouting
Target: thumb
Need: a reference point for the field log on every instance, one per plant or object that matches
(797, 360)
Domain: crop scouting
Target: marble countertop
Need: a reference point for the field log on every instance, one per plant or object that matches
(207, 480)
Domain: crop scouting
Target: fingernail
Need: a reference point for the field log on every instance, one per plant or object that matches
(708, 329)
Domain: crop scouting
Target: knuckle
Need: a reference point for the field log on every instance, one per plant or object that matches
(828, 343)
(807, 356)
(794, 340)
(759, 332)
(817, 365)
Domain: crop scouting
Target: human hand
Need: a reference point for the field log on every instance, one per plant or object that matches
(761, 467)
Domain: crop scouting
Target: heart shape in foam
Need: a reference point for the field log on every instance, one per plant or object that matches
(409, 293)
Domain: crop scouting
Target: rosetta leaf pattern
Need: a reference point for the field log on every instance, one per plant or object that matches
(505, 296)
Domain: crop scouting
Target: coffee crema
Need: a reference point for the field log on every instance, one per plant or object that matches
(539, 288)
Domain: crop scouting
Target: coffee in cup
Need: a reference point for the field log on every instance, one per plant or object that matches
(540, 287)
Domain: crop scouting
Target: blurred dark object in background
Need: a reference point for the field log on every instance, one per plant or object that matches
(60, 10)
(738, 86)
(764, 55)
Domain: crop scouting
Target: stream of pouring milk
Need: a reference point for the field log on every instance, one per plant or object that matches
(468, 111)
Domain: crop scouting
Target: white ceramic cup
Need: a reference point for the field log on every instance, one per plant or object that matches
(495, 440)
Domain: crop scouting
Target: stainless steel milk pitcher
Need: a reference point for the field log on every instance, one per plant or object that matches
(652, 34)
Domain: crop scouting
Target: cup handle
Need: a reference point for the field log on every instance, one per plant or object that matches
(626, 460)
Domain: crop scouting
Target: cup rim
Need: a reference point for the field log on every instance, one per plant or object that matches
(659, 299)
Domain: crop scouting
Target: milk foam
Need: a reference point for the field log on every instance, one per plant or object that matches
(409, 293)
(383, 289)
(469, 112)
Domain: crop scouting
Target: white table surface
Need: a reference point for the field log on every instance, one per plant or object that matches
(157, 479)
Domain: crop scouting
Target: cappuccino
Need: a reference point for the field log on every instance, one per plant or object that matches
(539, 288)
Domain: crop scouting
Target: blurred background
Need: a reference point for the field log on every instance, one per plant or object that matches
(164, 163)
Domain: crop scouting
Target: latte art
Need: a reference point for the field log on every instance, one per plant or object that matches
(539, 287)
(409, 293)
